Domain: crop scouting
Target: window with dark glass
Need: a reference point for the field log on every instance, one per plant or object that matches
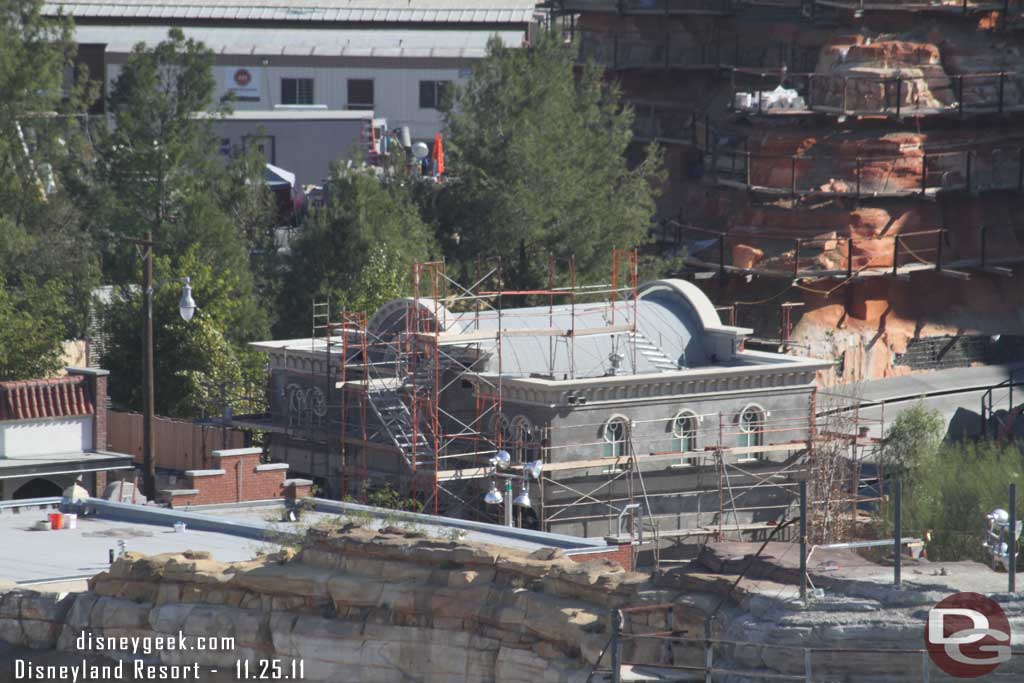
(360, 93)
(296, 91)
(432, 93)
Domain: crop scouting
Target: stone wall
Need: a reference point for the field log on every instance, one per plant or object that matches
(364, 606)
(356, 606)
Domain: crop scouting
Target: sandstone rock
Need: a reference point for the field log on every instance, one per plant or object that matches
(46, 606)
(11, 631)
(746, 256)
(116, 613)
(290, 579)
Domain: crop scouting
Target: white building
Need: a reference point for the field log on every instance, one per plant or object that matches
(394, 57)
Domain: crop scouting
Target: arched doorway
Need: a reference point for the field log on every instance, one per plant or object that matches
(37, 488)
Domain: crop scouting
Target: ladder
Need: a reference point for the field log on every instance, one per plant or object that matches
(397, 421)
(654, 355)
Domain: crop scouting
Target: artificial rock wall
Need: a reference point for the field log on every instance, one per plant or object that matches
(365, 607)
(356, 606)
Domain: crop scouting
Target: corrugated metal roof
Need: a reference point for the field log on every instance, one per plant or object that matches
(424, 43)
(32, 399)
(341, 11)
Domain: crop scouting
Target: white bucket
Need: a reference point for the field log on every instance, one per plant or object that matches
(179, 527)
(70, 521)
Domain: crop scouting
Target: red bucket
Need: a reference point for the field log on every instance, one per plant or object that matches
(56, 520)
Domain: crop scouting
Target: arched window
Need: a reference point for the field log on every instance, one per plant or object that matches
(684, 431)
(520, 443)
(752, 428)
(502, 431)
(615, 433)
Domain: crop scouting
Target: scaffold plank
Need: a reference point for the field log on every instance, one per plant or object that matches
(478, 472)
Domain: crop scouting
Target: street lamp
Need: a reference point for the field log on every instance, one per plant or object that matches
(530, 470)
(186, 305)
(186, 308)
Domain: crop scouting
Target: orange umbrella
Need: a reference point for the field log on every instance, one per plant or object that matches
(439, 153)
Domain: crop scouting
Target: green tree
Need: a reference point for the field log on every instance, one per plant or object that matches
(47, 259)
(30, 330)
(953, 489)
(912, 440)
(161, 173)
(191, 359)
(537, 154)
(33, 56)
(358, 250)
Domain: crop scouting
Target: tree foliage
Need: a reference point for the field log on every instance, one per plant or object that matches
(47, 258)
(953, 489)
(161, 172)
(358, 250)
(191, 359)
(30, 342)
(537, 154)
(912, 440)
(948, 487)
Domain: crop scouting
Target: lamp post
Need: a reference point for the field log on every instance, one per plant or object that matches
(500, 461)
(186, 308)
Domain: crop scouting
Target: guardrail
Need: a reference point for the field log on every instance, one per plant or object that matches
(979, 169)
(643, 7)
(621, 50)
(16, 505)
(895, 96)
(625, 652)
(787, 256)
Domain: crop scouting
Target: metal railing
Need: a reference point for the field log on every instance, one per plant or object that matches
(643, 7)
(974, 170)
(949, 6)
(681, 50)
(788, 256)
(898, 95)
(992, 425)
(718, 658)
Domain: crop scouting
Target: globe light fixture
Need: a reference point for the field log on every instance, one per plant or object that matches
(186, 305)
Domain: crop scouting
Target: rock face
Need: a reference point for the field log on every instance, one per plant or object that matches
(353, 606)
(360, 606)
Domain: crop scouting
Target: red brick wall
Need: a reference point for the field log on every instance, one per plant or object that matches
(621, 555)
(97, 380)
(240, 482)
(101, 484)
(102, 409)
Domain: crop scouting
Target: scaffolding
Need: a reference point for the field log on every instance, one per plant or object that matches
(425, 379)
(395, 381)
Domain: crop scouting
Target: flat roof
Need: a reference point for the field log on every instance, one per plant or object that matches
(335, 11)
(74, 553)
(307, 42)
(58, 463)
(289, 115)
(231, 533)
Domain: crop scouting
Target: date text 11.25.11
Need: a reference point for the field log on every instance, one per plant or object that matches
(270, 670)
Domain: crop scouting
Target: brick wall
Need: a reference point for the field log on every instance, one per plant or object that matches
(621, 555)
(237, 477)
(97, 380)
